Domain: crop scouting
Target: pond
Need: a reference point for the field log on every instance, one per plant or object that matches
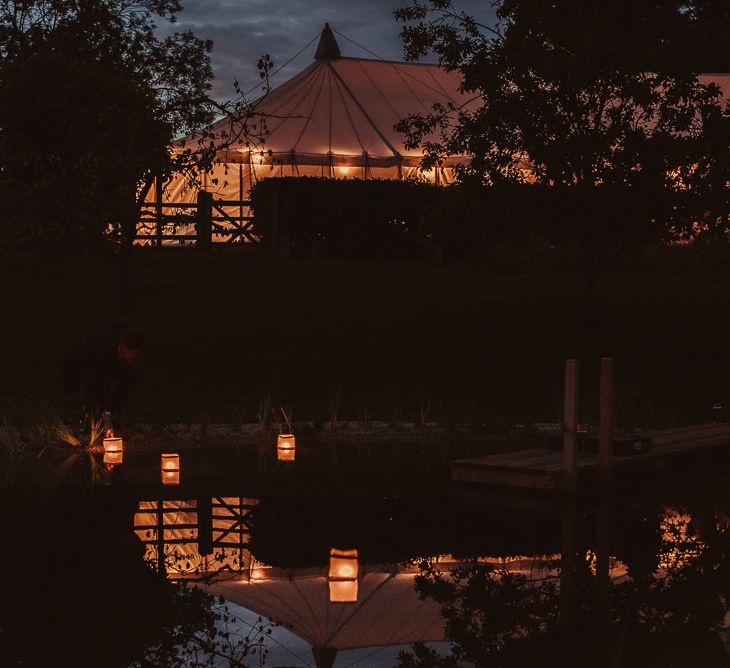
(330, 575)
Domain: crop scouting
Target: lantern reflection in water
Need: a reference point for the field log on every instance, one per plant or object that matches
(113, 450)
(286, 447)
(170, 469)
(342, 576)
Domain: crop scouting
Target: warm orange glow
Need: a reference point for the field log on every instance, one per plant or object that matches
(113, 445)
(113, 457)
(343, 564)
(343, 591)
(680, 545)
(343, 572)
(113, 450)
(171, 477)
(344, 172)
(286, 447)
(170, 466)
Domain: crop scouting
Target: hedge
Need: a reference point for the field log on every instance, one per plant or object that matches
(344, 217)
(380, 218)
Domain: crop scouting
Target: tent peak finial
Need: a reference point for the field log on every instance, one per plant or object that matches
(327, 49)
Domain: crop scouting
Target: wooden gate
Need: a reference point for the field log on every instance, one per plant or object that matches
(208, 221)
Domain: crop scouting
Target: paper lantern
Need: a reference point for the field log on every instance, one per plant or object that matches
(286, 447)
(343, 572)
(343, 591)
(113, 450)
(114, 444)
(170, 469)
(113, 457)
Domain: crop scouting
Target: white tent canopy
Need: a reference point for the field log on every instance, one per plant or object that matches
(336, 118)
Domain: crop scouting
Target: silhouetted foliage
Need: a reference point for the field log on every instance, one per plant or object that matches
(91, 98)
(74, 572)
(76, 152)
(599, 101)
(345, 217)
(668, 614)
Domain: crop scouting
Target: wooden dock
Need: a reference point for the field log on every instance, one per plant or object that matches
(543, 469)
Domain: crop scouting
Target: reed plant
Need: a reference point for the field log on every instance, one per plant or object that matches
(264, 415)
(365, 410)
(334, 405)
(394, 407)
(424, 402)
(287, 413)
(264, 421)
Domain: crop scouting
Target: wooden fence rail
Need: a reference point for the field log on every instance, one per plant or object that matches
(212, 222)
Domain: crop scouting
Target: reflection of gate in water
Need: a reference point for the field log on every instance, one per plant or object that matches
(196, 537)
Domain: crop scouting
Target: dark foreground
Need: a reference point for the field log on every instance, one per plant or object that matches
(384, 340)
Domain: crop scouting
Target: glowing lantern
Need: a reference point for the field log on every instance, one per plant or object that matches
(342, 576)
(286, 447)
(113, 450)
(170, 469)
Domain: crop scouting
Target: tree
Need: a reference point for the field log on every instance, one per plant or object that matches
(76, 149)
(91, 98)
(600, 102)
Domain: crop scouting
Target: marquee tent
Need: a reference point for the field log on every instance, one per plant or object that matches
(336, 118)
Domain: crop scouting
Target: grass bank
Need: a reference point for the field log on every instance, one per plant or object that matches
(375, 339)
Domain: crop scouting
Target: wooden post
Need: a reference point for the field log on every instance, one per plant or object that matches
(567, 563)
(204, 225)
(240, 199)
(205, 525)
(603, 546)
(570, 426)
(158, 210)
(605, 420)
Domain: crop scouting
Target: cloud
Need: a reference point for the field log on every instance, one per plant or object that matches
(244, 30)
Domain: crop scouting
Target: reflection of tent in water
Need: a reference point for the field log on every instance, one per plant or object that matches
(388, 611)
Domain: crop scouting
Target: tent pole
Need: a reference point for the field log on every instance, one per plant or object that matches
(570, 424)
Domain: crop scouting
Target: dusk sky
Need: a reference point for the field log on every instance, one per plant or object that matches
(243, 30)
